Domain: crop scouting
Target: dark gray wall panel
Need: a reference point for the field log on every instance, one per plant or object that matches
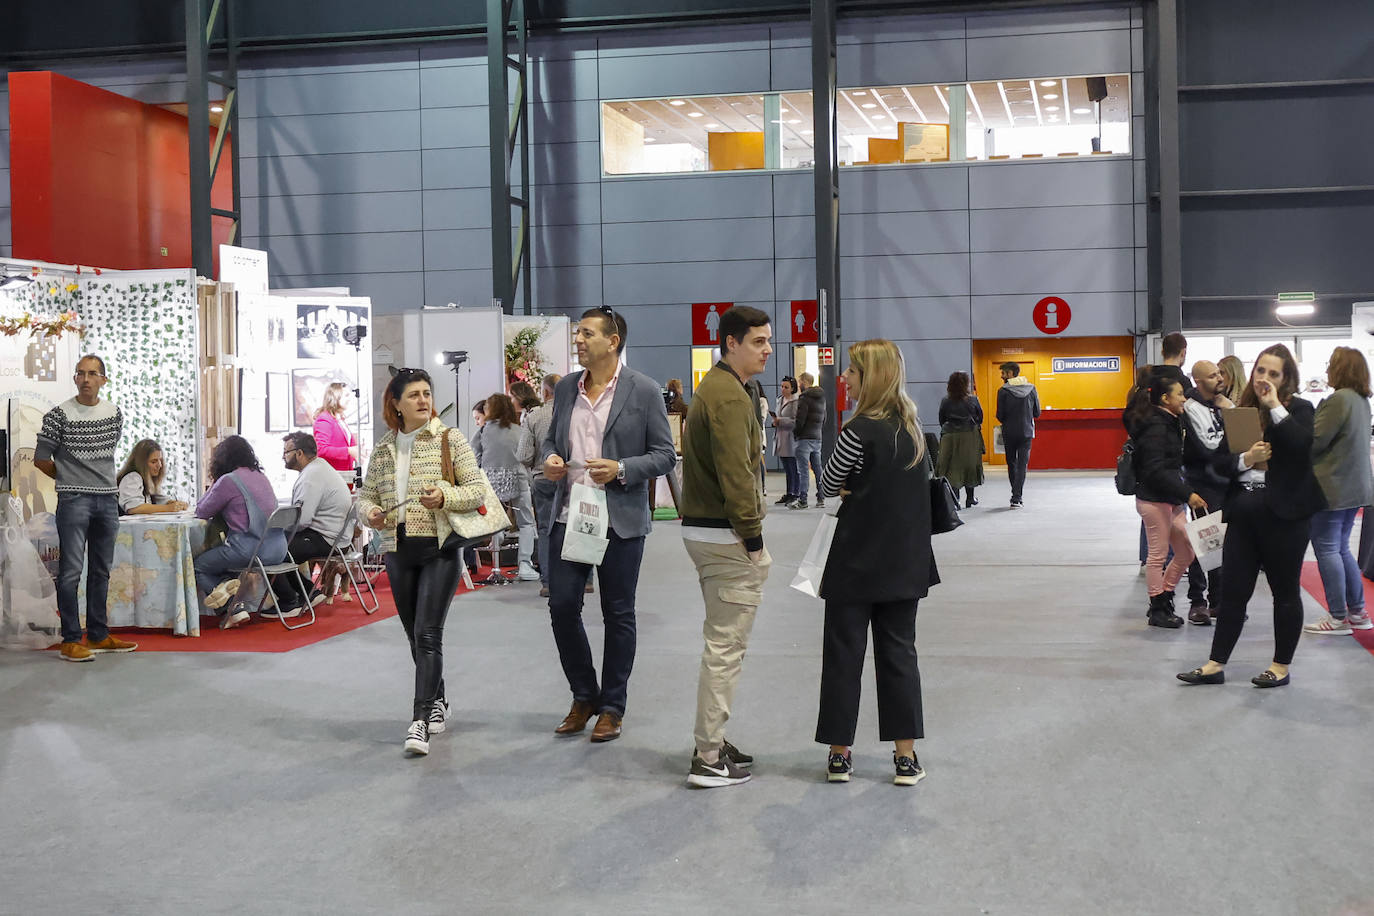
(564, 246)
(1054, 273)
(688, 240)
(1045, 228)
(457, 249)
(1309, 141)
(685, 282)
(465, 167)
(335, 133)
(658, 326)
(706, 197)
(894, 190)
(335, 213)
(927, 396)
(795, 278)
(453, 127)
(934, 360)
(449, 53)
(562, 287)
(794, 194)
(468, 288)
(665, 42)
(275, 176)
(1092, 315)
(881, 64)
(468, 208)
(1049, 54)
(564, 163)
(1038, 22)
(909, 275)
(934, 232)
(1039, 184)
(565, 122)
(794, 236)
(567, 205)
(662, 363)
(461, 86)
(1236, 41)
(561, 80)
(705, 73)
(863, 31)
(921, 318)
(390, 292)
(328, 93)
(364, 252)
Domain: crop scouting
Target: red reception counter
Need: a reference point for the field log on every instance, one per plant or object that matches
(1077, 439)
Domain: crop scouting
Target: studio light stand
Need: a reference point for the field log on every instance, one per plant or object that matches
(354, 335)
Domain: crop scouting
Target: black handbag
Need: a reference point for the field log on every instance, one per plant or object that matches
(944, 507)
(1125, 469)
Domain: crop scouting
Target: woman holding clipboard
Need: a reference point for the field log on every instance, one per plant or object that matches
(1267, 509)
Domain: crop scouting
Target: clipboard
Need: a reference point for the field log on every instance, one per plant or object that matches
(1243, 430)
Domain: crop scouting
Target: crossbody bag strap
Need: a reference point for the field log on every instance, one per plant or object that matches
(446, 461)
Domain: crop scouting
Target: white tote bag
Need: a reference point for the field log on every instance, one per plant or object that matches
(1207, 535)
(584, 539)
(808, 577)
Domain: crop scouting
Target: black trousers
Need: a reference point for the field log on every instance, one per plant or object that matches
(423, 579)
(1018, 459)
(1258, 539)
(306, 544)
(894, 664)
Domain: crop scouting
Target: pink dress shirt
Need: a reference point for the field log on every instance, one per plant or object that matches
(333, 440)
(586, 430)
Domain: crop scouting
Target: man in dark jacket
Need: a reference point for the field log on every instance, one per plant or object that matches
(1205, 440)
(810, 421)
(1017, 407)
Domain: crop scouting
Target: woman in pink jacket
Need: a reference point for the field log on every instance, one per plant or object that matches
(335, 440)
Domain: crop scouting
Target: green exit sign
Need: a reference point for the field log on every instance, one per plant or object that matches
(1297, 297)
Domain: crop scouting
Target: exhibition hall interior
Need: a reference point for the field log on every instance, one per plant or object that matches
(596, 376)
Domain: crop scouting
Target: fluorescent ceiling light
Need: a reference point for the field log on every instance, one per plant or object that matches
(650, 140)
(794, 120)
(1051, 107)
(1051, 96)
(1049, 83)
(858, 92)
(1082, 111)
(711, 125)
(216, 109)
(694, 114)
(783, 111)
(1295, 309)
(677, 102)
(870, 105)
(880, 117)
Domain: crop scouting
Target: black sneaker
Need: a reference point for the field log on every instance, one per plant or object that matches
(820, 504)
(841, 767)
(783, 500)
(909, 772)
(737, 756)
(724, 772)
(417, 739)
(438, 717)
(798, 503)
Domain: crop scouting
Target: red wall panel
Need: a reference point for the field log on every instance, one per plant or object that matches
(100, 179)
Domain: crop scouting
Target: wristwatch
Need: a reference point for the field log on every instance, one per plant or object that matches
(620, 471)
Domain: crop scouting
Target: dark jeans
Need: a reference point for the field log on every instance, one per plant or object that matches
(86, 529)
(1258, 539)
(619, 577)
(894, 665)
(306, 544)
(789, 467)
(423, 578)
(1204, 586)
(543, 491)
(1018, 459)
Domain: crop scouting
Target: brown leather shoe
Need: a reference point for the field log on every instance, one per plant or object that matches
(576, 719)
(607, 727)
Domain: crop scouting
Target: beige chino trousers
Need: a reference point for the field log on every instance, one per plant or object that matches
(732, 586)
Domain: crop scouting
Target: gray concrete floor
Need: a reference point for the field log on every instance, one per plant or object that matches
(1068, 771)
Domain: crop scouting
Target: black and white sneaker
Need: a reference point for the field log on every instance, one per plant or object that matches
(724, 772)
(841, 767)
(417, 739)
(438, 717)
(909, 772)
(737, 756)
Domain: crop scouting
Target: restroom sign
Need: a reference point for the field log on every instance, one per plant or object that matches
(1051, 315)
(805, 321)
(1086, 364)
(706, 323)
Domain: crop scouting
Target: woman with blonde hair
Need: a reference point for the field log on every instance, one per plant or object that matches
(880, 563)
(1233, 370)
(1340, 459)
(140, 482)
(335, 441)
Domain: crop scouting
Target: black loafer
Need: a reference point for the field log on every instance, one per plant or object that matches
(1266, 678)
(1197, 677)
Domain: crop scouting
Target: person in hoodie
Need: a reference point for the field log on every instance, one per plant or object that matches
(1161, 492)
(1205, 440)
(807, 435)
(1017, 407)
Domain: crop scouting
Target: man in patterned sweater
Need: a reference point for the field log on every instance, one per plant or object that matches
(76, 448)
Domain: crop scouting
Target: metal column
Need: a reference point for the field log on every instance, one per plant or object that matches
(509, 123)
(827, 179)
(205, 155)
(1170, 220)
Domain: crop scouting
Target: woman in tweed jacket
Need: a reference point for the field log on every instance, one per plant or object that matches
(406, 498)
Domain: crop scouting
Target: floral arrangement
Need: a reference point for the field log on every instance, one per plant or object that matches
(524, 360)
(66, 322)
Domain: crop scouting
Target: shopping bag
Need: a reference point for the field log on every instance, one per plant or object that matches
(812, 568)
(584, 539)
(28, 607)
(999, 445)
(1207, 535)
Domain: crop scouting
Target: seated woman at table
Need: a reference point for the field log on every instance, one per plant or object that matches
(242, 497)
(140, 482)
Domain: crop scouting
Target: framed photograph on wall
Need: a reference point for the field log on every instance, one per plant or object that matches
(308, 387)
(279, 402)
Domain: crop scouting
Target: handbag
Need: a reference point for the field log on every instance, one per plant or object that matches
(812, 568)
(482, 520)
(506, 483)
(1125, 469)
(944, 507)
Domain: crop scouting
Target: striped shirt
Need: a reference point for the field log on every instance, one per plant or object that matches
(847, 459)
(81, 441)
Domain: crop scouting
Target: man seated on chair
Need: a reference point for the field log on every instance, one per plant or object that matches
(324, 499)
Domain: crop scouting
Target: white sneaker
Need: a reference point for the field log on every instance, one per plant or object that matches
(221, 594)
(234, 617)
(1359, 622)
(417, 738)
(438, 717)
(1327, 625)
(528, 573)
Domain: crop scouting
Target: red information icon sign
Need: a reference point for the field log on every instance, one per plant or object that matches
(1051, 315)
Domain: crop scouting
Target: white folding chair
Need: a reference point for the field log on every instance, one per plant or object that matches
(352, 562)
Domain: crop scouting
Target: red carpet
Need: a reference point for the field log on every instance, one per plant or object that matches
(1312, 584)
(268, 635)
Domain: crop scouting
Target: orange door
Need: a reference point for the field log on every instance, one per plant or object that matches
(987, 396)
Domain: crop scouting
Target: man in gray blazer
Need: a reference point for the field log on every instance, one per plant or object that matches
(609, 429)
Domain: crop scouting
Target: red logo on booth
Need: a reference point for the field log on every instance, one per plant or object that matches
(1051, 315)
(706, 323)
(806, 326)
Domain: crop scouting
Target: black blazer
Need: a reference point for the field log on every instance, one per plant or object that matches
(1292, 491)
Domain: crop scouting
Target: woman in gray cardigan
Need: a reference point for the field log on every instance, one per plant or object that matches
(1340, 459)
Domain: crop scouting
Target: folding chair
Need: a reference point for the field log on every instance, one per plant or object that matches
(283, 520)
(352, 562)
